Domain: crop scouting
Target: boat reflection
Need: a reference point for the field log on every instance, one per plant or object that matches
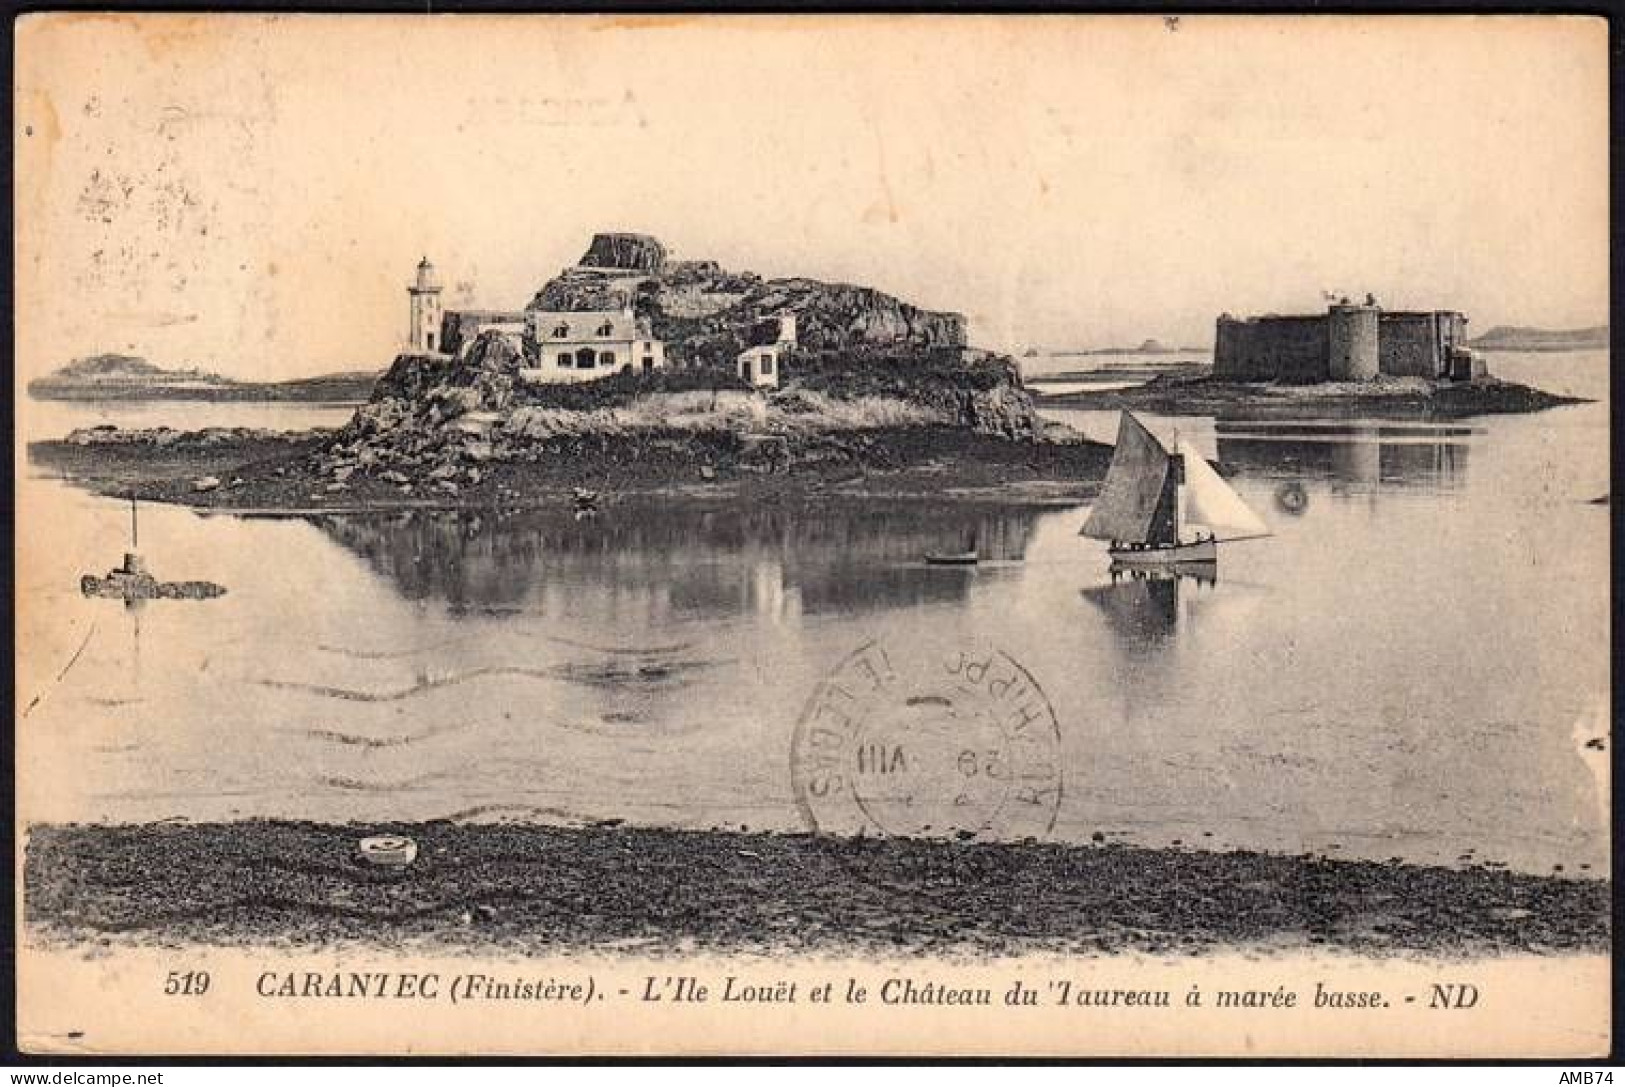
(1361, 457)
(686, 563)
(1145, 607)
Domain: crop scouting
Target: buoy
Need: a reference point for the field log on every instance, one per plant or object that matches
(1291, 497)
(388, 850)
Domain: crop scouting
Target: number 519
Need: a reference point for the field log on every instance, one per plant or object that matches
(190, 983)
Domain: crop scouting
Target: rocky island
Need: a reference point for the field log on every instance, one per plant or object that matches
(747, 386)
(1199, 391)
(642, 376)
(1355, 359)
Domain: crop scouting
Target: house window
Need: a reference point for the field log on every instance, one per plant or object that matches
(767, 365)
(606, 358)
(565, 360)
(605, 329)
(561, 331)
(429, 339)
(585, 359)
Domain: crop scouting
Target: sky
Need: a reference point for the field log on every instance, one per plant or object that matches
(250, 194)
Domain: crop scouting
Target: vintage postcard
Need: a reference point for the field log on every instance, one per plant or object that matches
(1019, 535)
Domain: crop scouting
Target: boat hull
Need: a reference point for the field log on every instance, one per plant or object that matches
(968, 558)
(1203, 551)
(1206, 572)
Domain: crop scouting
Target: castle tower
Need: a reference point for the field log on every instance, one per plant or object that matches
(1351, 340)
(424, 329)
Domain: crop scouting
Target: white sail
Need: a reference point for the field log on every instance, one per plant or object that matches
(1211, 504)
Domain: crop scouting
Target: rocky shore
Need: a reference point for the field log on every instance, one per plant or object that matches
(532, 889)
(471, 431)
(301, 472)
(162, 464)
(1392, 398)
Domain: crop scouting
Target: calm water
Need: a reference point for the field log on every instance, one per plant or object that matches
(1409, 667)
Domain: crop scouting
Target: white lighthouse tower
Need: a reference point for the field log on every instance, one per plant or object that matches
(425, 295)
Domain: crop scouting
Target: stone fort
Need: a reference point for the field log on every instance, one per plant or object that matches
(1349, 342)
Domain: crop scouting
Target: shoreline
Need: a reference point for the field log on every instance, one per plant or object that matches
(276, 475)
(530, 888)
(1406, 399)
(306, 473)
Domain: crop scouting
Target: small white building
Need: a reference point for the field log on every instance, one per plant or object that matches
(584, 345)
(761, 366)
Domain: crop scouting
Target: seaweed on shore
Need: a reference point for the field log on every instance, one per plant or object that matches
(533, 887)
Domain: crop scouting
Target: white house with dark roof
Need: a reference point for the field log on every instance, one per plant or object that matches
(584, 345)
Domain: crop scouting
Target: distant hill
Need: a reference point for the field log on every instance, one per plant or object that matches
(1147, 347)
(129, 369)
(1515, 338)
(129, 377)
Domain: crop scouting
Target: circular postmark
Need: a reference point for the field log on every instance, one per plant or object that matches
(956, 743)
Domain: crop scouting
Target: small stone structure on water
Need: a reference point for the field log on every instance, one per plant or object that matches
(132, 582)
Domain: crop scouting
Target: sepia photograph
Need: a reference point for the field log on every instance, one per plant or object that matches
(812, 535)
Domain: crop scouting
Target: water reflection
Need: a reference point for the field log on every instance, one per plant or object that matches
(1361, 456)
(1143, 607)
(776, 562)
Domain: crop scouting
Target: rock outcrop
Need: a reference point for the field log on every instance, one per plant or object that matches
(831, 318)
(627, 252)
(982, 394)
(439, 425)
(706, 314)
(587, 289)
(863, 360)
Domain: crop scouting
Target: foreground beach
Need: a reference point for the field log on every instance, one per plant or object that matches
(530, 889)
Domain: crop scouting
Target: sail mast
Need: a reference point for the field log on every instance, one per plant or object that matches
(1179, 488)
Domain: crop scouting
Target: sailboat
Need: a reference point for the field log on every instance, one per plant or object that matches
(1157, 507)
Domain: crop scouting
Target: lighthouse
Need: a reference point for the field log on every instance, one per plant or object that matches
(425, 308)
